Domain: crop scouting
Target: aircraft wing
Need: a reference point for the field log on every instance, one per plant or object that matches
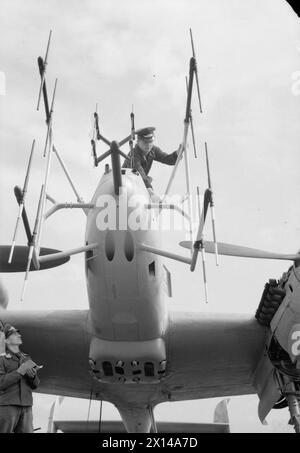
(212, 355)
(113, 426)
(209, 355)
(59, 341)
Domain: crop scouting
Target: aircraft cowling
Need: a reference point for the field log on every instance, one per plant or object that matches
(282, 351)
(285, 325)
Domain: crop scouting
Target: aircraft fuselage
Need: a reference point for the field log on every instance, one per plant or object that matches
(125, 285)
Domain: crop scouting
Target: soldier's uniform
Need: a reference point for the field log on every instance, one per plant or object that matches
(15, 394)
(142, 162)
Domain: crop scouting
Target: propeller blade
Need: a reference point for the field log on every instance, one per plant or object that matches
(243, 252)
(15, 233)
(20, 261)
(29, 259)
(204, 274)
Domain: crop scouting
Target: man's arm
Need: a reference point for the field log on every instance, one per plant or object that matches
(7, 379)
(33, 382)
(138, 166)
(164, 158)
(127, 161)
(31, 375)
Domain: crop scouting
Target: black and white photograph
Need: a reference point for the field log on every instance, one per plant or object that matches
(149, 219)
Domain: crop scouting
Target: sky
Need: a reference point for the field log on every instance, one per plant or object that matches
(118, 54)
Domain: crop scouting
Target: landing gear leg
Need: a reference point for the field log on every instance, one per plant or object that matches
(293, 400)
(294, 407)
(153, 423)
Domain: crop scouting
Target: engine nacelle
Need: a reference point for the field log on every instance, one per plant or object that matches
(285, 325)
(277, 377)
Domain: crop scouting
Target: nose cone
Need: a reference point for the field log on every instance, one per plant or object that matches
(132, 184)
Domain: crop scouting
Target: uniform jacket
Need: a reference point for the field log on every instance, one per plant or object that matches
(142, 163)
(15, 389)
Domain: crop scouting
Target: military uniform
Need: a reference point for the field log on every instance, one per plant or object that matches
(143, 162)
(15, 394)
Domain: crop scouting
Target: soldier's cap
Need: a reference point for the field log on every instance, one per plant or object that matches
(9, 330)
(146, 134)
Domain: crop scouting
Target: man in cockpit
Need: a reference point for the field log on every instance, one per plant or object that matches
(144, 153)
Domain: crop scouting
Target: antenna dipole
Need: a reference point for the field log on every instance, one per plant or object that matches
(96, 116)
(202, 250)
(197, 245)
(186, 126)
(95, 136)
(132, 136)
(49, 121)
(21, 204)
(191, 120)
(44, 71)
(32, 243)
(196, 71)
(212, 211)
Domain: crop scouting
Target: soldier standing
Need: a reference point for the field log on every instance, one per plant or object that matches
(18, 377)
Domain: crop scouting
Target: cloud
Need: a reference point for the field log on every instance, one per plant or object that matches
(137, 52)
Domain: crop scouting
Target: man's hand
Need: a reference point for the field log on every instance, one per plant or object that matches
(154, 198)
(31, 372)
(28, 365)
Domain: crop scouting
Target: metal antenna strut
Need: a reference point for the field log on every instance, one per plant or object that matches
(21, 204)
(153, 423)
(63, 165)
(44, 71)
